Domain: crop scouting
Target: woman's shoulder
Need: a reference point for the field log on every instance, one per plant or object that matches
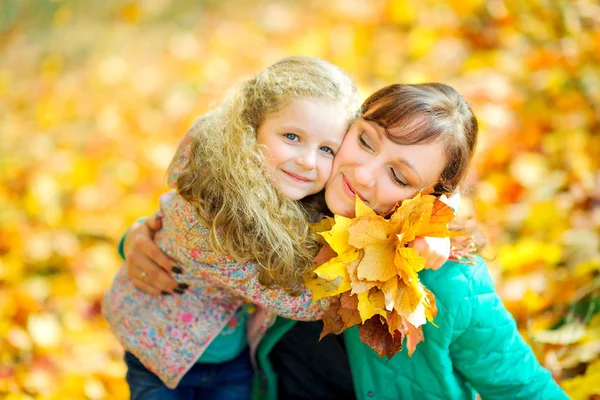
(456, 281)
(458, 289)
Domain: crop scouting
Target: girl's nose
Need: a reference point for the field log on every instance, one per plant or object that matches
(307, 160)
(364, 176)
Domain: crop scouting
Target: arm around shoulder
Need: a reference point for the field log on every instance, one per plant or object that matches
(243, 280)
(489, 351)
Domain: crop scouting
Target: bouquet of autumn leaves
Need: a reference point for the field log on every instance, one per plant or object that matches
(374, 277)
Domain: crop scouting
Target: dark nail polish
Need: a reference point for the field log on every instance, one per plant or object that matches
(183, 286)
(165, 293)
(178, 291)
(177, 270)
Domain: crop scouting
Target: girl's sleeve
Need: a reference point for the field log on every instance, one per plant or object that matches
(242, 279)
(181, 156)
(191, 238)
(491, 354)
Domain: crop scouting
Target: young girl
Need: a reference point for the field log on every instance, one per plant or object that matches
(408, 136)
(235, 228)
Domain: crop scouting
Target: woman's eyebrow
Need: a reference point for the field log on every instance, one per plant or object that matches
(374, 126)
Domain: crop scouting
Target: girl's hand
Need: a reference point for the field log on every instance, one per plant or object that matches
(147, 266)
(435, 251)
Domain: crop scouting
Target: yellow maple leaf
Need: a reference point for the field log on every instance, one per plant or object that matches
(333, 277)
(371, 303)
(389, 289)
(361, 209)
(377, 263)
(430, 306)
(322, 226)
(410, 207)
(437, 220)
(337, 237)
(409, 303)
(336, 267)
(370, 231)
(359, 285)
(321, 288)
(408, 262)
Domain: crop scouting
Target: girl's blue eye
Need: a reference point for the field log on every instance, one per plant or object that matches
(397, 179)
(291, 136)
(326, 149)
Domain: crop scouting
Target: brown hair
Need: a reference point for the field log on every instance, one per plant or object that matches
(225, 177)
(425, 113)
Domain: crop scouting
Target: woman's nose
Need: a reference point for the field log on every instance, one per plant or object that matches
(364, 176)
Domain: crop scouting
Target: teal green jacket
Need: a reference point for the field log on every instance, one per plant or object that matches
(476, 348)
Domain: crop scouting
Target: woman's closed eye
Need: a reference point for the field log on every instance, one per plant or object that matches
(398, 178)
(291, 136)
(363, 142)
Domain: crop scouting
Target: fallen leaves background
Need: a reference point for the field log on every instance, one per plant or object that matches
(95, 96)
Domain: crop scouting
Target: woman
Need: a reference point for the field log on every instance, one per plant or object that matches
(475, 347)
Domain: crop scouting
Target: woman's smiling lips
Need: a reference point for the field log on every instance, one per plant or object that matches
(350, 191)
(297, 178)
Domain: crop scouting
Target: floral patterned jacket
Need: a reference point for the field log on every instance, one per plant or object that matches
(169, 333)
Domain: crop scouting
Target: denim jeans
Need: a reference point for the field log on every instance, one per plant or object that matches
(231, 380)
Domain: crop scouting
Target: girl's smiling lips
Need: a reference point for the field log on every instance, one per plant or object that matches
(351, 191)
(297, 177)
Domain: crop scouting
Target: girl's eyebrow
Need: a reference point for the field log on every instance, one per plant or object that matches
(333, 143)
(292, 127)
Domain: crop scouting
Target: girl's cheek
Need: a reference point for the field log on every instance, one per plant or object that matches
(326, 166)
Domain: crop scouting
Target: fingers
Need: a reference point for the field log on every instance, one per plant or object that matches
(153, 253)
(434, 251)
(435, 261)
(140, 284)
(137, 230)
(154, 222)
(148, 267)
(440, 252)
(421, 247)
(140, 266)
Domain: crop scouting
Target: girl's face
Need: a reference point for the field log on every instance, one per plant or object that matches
(380, 171)
(300, 141)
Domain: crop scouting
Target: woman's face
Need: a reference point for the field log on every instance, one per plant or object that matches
(380, 171)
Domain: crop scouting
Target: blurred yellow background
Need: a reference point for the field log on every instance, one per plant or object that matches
(95, 95)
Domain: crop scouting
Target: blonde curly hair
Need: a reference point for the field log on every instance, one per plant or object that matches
(226, 180)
